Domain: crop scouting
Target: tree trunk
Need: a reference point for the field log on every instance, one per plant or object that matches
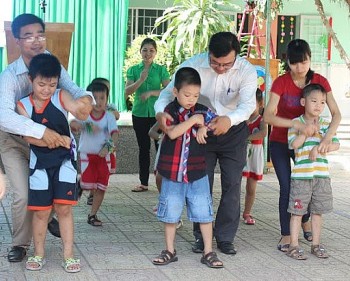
(331, 33)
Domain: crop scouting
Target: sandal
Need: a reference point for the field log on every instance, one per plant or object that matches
(139, 188)
(211, 259)
(71, 265)
(94, 221)
(296, 253)
(319, 251)
(165, 257)
(282, 247)
(248, 219)
(35, 263)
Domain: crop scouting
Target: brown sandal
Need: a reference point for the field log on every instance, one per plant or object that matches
(296, 253)
(319, 251)
(211, 259)
(94, 221)
(166, 257)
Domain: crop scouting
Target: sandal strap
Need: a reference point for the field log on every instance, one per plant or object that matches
(211, 257)
(166, 255)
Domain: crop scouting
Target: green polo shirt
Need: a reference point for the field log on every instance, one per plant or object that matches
(156, 76)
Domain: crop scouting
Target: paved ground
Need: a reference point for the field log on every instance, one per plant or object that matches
(131, 236)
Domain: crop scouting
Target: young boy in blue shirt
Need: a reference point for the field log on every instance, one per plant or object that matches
(183, 169)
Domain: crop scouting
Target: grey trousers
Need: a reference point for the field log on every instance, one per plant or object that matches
(15, 156)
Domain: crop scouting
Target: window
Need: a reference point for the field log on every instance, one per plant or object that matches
(141, 21)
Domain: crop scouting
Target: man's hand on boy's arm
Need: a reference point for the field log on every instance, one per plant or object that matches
(80, 108)
(220, 125)
(163, 118)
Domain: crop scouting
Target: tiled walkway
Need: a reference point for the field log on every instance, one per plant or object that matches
(131, 236)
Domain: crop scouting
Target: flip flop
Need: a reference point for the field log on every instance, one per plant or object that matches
(139, 188)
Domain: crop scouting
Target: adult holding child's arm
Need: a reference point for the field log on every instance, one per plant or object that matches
(29, 33)
(228, 87)
(283, 106)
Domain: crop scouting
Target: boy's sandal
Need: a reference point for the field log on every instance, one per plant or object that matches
(319, 251)
(248, 219)
(35, 263)
(165, 257)
(71, 265)
(211, 260)
(296, 253)
(94, 221)
(308, 235)
(139, 188)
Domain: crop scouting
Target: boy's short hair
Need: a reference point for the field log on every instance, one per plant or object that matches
(98, 87)
(313, 87)
(101, 80)
(223, 43)
(45, 65)
(186, 76)
(23, 20)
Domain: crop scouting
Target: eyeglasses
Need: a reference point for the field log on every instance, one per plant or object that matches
(31, 39)
(215, 64)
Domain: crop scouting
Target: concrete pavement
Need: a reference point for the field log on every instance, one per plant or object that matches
(131, 236)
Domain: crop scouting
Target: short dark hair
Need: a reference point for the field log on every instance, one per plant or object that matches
(149, 41)
(45, 65)
(222, 43)
(23, 20)
(101, 80)
(313, 87)
(259, 95)
(186, 76)
(98, 87)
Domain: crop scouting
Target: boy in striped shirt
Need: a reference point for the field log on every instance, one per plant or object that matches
(310, 181)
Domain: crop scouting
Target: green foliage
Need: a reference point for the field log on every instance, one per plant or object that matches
(191, 23)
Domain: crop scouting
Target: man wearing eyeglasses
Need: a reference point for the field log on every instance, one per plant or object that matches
(229, 84)
(29, 33)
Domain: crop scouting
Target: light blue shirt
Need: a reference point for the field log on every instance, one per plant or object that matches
(14, 85)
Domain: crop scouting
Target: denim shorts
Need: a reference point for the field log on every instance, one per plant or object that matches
(196, 195)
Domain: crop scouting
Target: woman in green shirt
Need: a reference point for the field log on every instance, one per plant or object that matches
(145, 79)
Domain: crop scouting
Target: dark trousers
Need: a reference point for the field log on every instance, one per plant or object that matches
(141, 127)
(230, 151)
(281, 156)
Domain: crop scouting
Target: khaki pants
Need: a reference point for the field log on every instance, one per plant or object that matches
(15, 158)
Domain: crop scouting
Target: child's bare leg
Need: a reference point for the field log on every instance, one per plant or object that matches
(316, 221)
(207, 233)
(295, 224)
(250, 195)
(65, 217)
(40, 220)
(96, 203)
(170, 232)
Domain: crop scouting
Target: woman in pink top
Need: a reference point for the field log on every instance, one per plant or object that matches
(283, 106)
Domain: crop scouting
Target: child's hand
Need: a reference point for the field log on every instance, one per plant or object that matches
(75, 126)
(67, 141)
(201, 135)
(103, 152)
(313, 153)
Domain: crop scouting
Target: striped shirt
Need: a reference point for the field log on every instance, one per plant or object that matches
(304, 168)
(14, 85)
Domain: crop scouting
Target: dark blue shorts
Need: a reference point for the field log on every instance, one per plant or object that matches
(56, 185)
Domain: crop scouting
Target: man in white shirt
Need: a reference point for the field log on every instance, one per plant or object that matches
(229, 84)
(29, 32)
